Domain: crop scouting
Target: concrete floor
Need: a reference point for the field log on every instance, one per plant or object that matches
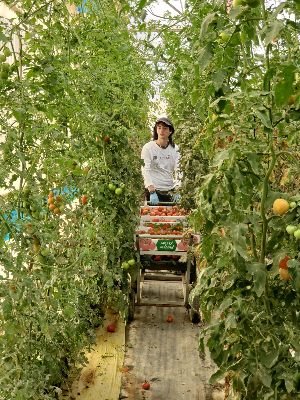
(165, 353)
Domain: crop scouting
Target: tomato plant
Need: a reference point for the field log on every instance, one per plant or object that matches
(61, 87)
(238, 86)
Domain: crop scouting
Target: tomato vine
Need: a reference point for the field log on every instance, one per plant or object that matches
(233, 91)
(69, 80)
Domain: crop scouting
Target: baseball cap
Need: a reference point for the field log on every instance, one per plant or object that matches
(165, 121)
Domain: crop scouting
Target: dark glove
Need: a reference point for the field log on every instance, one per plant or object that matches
(154, 199)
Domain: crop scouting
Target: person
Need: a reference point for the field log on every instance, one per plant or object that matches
(161, 170)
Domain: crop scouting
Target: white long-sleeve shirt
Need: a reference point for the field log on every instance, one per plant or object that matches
(161, 166)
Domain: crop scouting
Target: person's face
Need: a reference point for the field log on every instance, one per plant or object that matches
(163, 131)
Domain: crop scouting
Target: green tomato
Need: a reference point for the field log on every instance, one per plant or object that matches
(45, 252)
(224, 36)
(4, 75)
(291, 229)
(111, 187)
(293, 204)
(297, 234)
(213, 117)
(237, 3)
(125, 265)
(131, 262)
(7, 52)
(118, 191)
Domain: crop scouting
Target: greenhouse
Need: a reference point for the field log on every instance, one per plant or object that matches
(149, 200)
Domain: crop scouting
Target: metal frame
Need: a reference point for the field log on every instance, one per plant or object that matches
(185, 277)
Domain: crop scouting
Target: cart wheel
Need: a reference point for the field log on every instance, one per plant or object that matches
(194, 316)
(131, 306)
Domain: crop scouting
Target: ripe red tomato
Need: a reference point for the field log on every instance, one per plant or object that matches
(146, 385)
(283, 262)
(52, 207)
(111, 328)
(84, 199)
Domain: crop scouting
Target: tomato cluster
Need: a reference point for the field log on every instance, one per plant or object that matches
(163, 211)
(54, 203)
(162, 229)
(159, 231)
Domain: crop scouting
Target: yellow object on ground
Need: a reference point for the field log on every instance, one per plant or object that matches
(100, 379)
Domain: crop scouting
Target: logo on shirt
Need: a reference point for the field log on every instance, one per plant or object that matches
(162, 158)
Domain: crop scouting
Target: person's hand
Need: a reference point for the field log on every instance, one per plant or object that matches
(176, 198)
(154, 199)
(151, 188)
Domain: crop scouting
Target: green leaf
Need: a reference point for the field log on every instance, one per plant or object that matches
(284, 87)
(258, 270)
(141, 4)
(273, 31)
(289, 384)
(7, 308)
(225, 304)
(238, 233)
(264, 117)
(269, 357)
(217, 376)
(254, 161)
(195, 95)
(231, 321)
(218, 78)
(205, 57)
(220, 158)
(235, 12)
(205, 24)
(3, 38)
(279, 8)
(265, 377)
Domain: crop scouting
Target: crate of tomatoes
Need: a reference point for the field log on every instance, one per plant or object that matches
(161, 230)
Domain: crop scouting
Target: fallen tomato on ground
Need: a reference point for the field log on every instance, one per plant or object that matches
(170, 318)
(111, 328)
(146, 385)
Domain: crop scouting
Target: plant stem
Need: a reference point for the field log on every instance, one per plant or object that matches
(263, 205)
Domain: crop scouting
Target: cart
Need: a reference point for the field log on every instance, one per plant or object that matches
(164, 248)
